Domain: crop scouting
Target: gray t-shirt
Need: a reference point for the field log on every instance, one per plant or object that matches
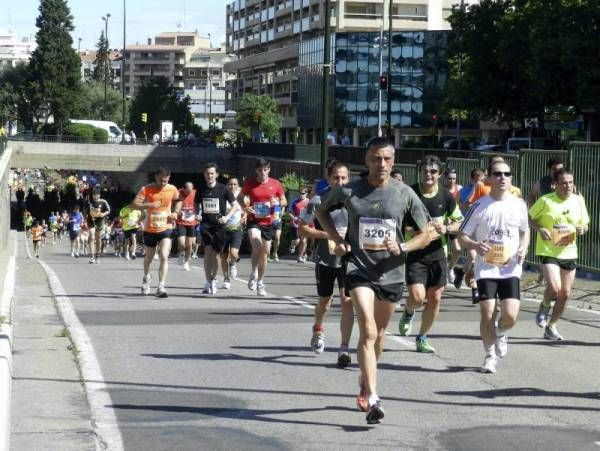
(323, 255)
(373, 215)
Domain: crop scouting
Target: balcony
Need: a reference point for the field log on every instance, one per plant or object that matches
(283, 101)
(284, 11)
(284, 33)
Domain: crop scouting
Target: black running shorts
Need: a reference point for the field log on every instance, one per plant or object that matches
(567, 265)
(509, 288)
(326, 277)
(266, 231)
(188, 231)
(152, 239)
(430, 274)
(391, 293)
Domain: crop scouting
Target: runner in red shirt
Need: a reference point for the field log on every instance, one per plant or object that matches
(258, 196)
(186, 224)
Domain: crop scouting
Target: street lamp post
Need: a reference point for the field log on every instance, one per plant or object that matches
(389, 72)
(107, 62)
(123, 74)
(325, 82)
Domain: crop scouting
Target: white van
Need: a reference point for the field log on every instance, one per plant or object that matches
(114, 132)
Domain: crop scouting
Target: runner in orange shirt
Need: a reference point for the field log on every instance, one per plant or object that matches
(186, 224)
(36, 233)
(157, 199)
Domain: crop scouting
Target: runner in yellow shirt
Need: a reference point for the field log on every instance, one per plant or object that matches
(558, 218)
(131, 223)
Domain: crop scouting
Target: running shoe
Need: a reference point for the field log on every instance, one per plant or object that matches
(459, 275)
(226, 284)
(156, 256)
(362, 400)
(233, 273)
(161, 292)
(474, 296)
(207, 288)
(260, 289)
(423, 345)
(317, 342)
(186, 266)
(450, 275)
(133, 256)
(252, 282)
(292, 248)
(541, 319)
(77, 255)
(127, 257)
(146, 285)
(375, 413)
(91, 260)
(405, 324)
(181, 259)
(501, 345)
(275, 257)
(73, 254)
(489, 364)
(551, 333)
(213, 286)
(344, 359)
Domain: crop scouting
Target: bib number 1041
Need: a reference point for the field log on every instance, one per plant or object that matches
(374, 231)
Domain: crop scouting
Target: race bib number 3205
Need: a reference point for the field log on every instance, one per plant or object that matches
(372, 232)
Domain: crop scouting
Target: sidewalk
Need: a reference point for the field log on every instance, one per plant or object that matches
(49, 406)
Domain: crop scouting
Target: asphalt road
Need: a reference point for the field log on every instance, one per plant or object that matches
(234, 371)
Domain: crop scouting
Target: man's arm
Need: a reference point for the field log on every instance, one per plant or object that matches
(140, 204)
(533, 194)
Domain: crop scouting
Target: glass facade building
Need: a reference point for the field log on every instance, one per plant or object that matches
(418, 77)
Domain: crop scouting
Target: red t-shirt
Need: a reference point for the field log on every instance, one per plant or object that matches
(187, 215)
(260, 195)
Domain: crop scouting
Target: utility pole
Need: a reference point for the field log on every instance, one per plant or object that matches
(389, 73)
(460, 57)
(326, 71)
(123, 74)
(106, 62)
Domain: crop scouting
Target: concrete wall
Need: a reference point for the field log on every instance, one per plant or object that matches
(4, 198)
(115, 157)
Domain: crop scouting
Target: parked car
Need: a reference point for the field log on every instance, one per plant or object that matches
(452, 144)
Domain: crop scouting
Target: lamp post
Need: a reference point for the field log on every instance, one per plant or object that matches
(107, 62)
(123, 76)
(389, 72)
(78, 45)
(325, 82)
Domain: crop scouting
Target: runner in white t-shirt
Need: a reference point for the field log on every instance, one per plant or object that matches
(497, 228)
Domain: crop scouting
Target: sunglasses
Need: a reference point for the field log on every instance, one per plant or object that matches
(501, 173)
(429, 171)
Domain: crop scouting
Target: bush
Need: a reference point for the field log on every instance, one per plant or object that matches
(83, 132)
(100, 136)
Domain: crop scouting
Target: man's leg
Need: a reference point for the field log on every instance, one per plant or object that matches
(262, 261)
(414, 300)
(133, 243)
(434, 299)
(189, 246)
(256, 246)
(181, 248)
(92, 240)
(552, 275)
(276, 241)
(347, 318)
(208, 262)
(567, 277)
(148, 257)
(164, 249)
(302, 242)
(487, 309)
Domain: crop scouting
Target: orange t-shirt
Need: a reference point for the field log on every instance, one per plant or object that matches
(188, 208)
(158, 219)
(37, 232)
(484, 188)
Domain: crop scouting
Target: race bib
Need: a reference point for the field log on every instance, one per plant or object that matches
(96, 212)
(76, 226)
(276, 213)
(211, 206)
(188, 215)
(559, 231)
(261, 209)
(372, 232)
(158, 219)
(431, 227)
(499, 253)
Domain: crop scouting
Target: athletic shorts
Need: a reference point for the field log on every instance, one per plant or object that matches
(188, 231)
(277, 225)
(503, 288)
(233, 239)
(74, 234)
(266, 231)
(567, 265)
(129, 233)
(391, 293)
(430, 274)
(295, 234)
(98, 224)
(152, 239)
(214, 237)
(326, 277)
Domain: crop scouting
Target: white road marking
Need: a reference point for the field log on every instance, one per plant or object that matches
(597, 443)
(108, 435)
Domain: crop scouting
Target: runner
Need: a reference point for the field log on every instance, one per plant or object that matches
(186, 225)
(27, 223)
(118, 237)
(329, 267)
(36, 235)
(234, 233)
(44, 227)
(426, 268)
(451, 184)
(497, 228)
(377, 206)
(299, 243)
(558, 218)
(398, 176)
(53, 225)
(277, 228)
(75, 221)
(212, 201)
(131, 223)
(157, 199)
(98, 210)
(547, 183)
(258, 196)
(85, 238)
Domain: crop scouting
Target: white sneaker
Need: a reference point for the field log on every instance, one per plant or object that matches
(156, 256)
(91, 260)
(252, 282)
(161, 292)
(226, 284)
(260, 289)
(551, 333)
(186, 266)
(127, 257)
(146, 285)
(233, 273)
(489, 364)
(207, 288)
(317, 342)
(501, 345)
(213, 286)
(451, 276)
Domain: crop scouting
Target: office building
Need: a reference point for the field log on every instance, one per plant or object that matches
(13, 50)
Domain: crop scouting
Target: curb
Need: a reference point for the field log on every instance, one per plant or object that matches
(6, 340)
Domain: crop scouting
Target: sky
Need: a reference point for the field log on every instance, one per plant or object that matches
(145, 19)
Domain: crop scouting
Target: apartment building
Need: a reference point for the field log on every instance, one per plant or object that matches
(14, 51)
(88, 58)
(265, 36)
(166, 57)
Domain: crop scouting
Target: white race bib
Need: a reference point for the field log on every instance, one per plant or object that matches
(211, 206)
(158, 219)
(189, 215)
(262, 209)
(431, 228)
(372, 232)
(76, 226)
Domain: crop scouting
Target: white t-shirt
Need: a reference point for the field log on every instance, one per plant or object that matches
(499, 222)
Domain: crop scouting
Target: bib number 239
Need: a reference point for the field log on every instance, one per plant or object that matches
(372, 232)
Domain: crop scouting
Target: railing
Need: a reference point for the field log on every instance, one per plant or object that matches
(3, 144)
(138, 141)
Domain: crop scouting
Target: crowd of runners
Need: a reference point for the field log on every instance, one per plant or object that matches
(373, 236)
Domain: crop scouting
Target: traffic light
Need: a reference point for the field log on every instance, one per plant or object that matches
(383, 82)
(144, 117)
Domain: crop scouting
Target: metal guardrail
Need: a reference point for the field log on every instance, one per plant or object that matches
(3, 144)
(78, 140)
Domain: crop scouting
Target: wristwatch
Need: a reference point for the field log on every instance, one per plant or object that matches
(403, 248)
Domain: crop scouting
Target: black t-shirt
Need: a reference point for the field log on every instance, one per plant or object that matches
(213, 202)
(440, 207)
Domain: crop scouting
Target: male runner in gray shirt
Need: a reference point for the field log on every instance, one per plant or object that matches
(377, 206)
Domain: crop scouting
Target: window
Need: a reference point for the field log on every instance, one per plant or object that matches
(192, 72)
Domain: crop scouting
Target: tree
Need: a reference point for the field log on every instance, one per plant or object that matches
(92, 102)
(13, 98)
(102, 69)
(258, 116)
(161, 102)
(55, 68)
